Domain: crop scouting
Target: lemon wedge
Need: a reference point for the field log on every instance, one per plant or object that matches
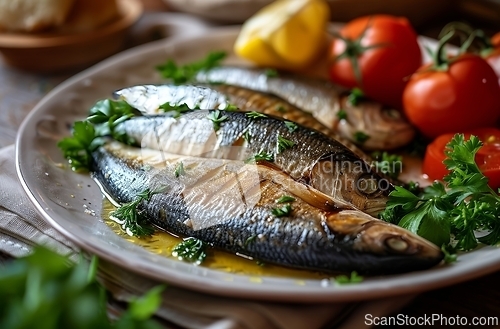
(284, 34)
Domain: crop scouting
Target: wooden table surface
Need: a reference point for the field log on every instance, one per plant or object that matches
(20, 91)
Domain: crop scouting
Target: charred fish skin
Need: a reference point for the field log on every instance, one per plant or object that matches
(309, 238)
(387, 128)
(313, 158)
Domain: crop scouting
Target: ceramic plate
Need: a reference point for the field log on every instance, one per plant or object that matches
(72, 202)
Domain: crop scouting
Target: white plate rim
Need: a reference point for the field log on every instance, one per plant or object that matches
(479, 264)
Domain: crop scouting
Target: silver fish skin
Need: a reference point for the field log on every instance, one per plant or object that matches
(149, 98)
(387, 128)
(312, 157)
(229, 205)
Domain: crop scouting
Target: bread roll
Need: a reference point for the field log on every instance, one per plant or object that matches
(88, 15)
(33, 15)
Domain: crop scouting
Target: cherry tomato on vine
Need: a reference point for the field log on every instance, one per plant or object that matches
(376, 54)
(487, 158)
(453, 95)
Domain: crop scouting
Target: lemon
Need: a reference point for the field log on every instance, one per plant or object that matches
(284, 34)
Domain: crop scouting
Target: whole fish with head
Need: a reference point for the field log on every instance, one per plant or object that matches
(386, 128)
(231, 205)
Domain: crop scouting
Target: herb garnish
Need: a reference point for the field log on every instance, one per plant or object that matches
(78, 148)
(190, 250)
(291, 126)
(231, 107)
(185, 73)
(52, 292)
(344, 279)
(360, 137)
(285, 210)
(285, 198)
(255, 115)
(250, 240)
(356, 96)
(271, 73)
(103, 120)
(262, 155)
(179, 170)
(177, 108)
(465, 205)
(284, 144)
(131, 219)
(280, 108)
(388, 164)
(247, 136)
(217, 118)
(342, 115)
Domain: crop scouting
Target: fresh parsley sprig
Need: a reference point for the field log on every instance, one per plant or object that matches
(177, 109)
(180, 74)
(103, 120)
(388, 164)
(217, 118)
(461, 207)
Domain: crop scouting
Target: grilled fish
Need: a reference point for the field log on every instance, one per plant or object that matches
(149, 98)
(229, 204)
(386, 128)
(304, 154)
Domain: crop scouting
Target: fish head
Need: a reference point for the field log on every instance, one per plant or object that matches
(346, 177)
(384, 242)
(387, 128)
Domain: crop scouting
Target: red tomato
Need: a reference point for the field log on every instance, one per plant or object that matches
(487, 158)
(464, 96)
(386, 51)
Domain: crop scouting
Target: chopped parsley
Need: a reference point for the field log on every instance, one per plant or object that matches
(133, 221)
(178, 109)
(342, 115)
(284, 210)
(284, 144)
(247, 137)
(217, 118)
(250, 240)
(192, 250)
(388, 164)
(464, 205)
(261, 156)
(231, 107)
(179, 170)
(180, 74)
(360, 137)
(344, 279)
(271, 73)
(280, 108)
(285, 199)
(356, 96)
(255, 115)
(291, 126)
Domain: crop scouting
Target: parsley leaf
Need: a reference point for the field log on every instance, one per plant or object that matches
(342, 115)
(191, 250)
(461, 207)
(292, 126)
(217, 118)
(179, 170)
(78, 148)
(285, 198)
(284, 144)
(180, 74)
(285, 210)
(131, 219)
(388, 164)
(356, 96)
(262, 155)
(344, 279)
(178, 109)
(360, 137)
(255, 115)
(271, 73)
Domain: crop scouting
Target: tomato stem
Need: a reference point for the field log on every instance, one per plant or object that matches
(441, 62)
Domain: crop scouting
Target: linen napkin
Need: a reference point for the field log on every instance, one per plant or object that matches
(21, 228)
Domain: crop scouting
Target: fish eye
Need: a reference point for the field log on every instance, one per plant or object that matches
(368, 185)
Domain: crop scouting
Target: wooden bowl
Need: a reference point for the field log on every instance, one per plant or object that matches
(54, 52)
